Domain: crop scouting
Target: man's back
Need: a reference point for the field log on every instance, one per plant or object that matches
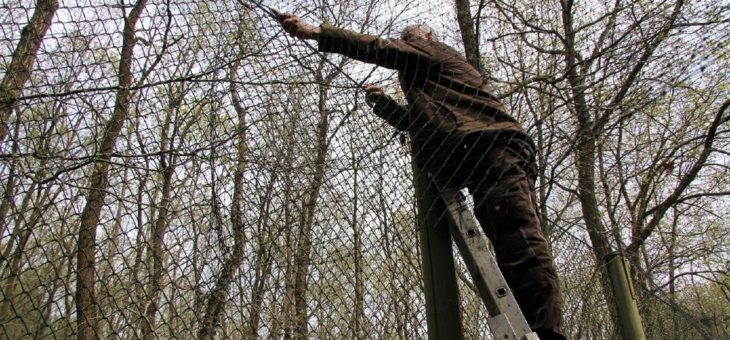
(446, 95)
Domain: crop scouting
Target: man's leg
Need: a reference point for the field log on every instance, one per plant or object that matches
(505, 207)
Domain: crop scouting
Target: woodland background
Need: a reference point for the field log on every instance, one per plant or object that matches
(184, 169)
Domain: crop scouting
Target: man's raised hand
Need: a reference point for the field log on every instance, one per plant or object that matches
(373, 93)
(297, 27)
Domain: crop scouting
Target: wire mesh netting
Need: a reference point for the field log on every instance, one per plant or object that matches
(183, 169)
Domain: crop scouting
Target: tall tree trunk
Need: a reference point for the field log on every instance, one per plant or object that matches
(306, 221)
(8, 198)
(24, 56)
(23, 230)
(469, 35)
(137, 297)
(264, 258)
(394, 324)
(216, 300)
(358, 317)
(281, 325)
(86, 312)
(285, 319)
(156, 250)
(112, 250)
(585, 143)
(34, 205)
(585, 158)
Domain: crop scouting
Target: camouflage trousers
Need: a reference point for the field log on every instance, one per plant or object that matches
(501, 176)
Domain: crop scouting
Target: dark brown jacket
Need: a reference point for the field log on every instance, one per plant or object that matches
(445, 94)
(448, 102)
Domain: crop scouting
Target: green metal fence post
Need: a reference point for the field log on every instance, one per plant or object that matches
(443, 307)
(626, 308)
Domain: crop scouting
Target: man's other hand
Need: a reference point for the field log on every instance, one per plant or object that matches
(373, 93)
(297, 27)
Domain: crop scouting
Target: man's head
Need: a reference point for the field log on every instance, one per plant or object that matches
(419, 31)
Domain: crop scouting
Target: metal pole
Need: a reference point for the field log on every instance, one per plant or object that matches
(443, 307)
(626, 308)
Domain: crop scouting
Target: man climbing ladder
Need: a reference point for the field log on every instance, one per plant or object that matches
(464, 139)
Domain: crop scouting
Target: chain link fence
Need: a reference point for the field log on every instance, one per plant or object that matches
(183, 169)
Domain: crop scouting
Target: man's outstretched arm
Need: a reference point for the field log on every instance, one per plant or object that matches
(390, 53)
(386, 108)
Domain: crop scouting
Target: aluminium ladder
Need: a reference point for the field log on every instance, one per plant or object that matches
(506, 320)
